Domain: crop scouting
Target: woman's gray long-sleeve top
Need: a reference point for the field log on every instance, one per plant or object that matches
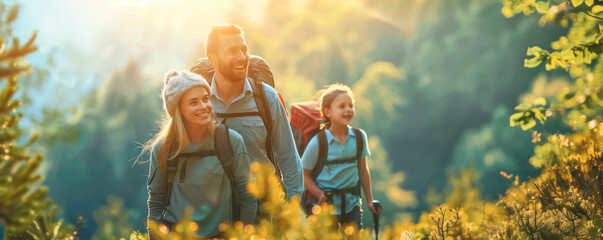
(204, 186)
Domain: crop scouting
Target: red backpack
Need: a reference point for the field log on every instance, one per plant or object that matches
(305, 123)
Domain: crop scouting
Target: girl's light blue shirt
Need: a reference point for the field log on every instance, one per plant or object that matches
(337, 176)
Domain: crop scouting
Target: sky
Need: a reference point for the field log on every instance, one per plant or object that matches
(88, 40)
(81, 21)
(94, 27)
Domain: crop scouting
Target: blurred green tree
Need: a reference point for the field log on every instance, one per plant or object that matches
(98, 145)
(25, 210)
(112, 220)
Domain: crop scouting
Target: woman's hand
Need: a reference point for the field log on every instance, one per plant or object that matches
(322, 198)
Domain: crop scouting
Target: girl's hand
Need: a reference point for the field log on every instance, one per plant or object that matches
(322, 198)
(372, 207)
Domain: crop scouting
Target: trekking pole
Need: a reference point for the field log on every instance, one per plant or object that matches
(377, 206)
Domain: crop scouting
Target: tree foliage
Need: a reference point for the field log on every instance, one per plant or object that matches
(565, 201)
(25, 211)
(112, 220)
(18, 165)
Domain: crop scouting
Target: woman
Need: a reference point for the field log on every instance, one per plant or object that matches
(180, 176)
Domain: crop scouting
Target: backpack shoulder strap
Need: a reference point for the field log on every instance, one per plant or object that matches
(262, 103)
(359, 143)
(171, 166)
(259, 95)
(224, 153)
(323, 150)
(359, 149)
(224, 150)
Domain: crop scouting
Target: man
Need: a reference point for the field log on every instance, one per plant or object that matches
(231, 92)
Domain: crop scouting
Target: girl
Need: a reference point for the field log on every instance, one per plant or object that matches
(345, 168)
(179, 176)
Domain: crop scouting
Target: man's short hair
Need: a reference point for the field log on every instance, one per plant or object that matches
(212, 44)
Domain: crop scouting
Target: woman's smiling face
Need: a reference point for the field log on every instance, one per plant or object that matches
(195, 107)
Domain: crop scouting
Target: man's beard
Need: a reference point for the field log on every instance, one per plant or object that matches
(227, 72)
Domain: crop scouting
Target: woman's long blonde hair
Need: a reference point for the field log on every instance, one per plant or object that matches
(172, 136)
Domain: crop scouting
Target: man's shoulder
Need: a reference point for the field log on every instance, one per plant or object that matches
(270, 92)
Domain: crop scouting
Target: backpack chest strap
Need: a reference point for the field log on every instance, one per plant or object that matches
(200, 154)
(323, 150)
(239, 114)
(197, 154)
(340, 161)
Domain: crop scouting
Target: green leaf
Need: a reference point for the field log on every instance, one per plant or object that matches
(57, 227)
(536, 162)
(513, 123)
(136, 235)
(532, 62)
(528, 10)
(516, 116)
(567, 54)
(542, 7)
(507, 12)
(577, 3)
(556, 61)
(589, 2)
(523, 107)
(588, 56)
(580, 57)
(514, 119)
(540, 101)
(591, 38)
(534, 51)
(541, 117)
(528, 123)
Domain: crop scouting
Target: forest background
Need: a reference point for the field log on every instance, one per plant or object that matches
(436, 83)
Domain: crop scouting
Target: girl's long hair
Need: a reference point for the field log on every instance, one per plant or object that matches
(172, 137)
(326, 96)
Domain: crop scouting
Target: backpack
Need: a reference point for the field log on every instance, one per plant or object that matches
(308, 200)
(223, 150)
(305, 123)
(259, 72)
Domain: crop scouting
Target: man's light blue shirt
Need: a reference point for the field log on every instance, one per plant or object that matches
(337, 176)
(254, 133)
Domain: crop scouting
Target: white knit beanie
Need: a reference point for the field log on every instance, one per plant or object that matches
(175, 84)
